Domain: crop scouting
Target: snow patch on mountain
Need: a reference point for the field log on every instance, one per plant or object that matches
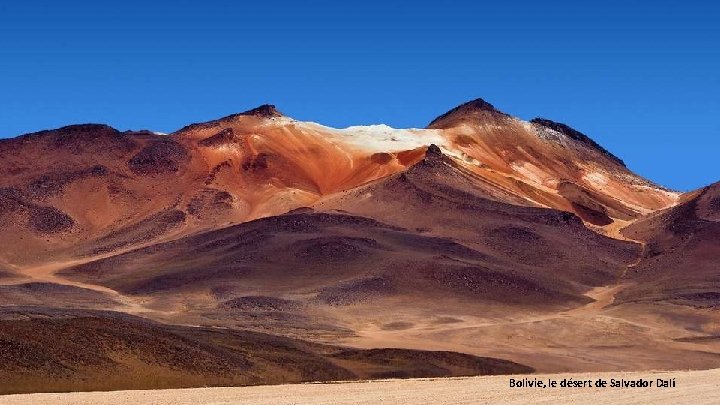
(596, 178)
(383, 138)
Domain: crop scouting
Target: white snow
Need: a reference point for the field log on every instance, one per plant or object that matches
(383, 138)
(545, 133)
(596, 178)
(274, 121)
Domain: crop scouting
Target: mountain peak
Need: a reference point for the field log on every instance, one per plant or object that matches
(478, 104)
(433, 152)
(433, 158)
(466, 111)
(264, 111)
(75, 131)
(576, 135)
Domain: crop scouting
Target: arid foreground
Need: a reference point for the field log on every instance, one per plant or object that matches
(697, 387)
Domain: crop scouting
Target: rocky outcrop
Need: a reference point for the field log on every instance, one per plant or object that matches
(576, 135)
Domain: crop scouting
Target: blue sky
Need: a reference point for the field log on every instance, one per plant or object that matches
(640, 77)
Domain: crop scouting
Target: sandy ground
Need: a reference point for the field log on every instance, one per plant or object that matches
(697, 387)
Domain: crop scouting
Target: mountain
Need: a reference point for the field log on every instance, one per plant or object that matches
(524, 243)
(88, 189)
(679, 259)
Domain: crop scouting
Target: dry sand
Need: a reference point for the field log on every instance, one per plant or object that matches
(696, 387)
